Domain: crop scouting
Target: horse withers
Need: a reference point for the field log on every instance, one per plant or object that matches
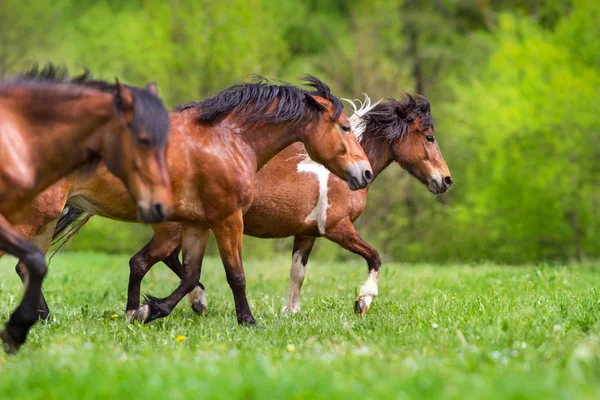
(51, 126)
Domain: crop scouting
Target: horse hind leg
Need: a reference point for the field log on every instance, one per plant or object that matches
(346, 236)
(303, 245)
(25, 315)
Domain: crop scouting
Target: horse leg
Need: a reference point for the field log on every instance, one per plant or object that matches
(302, 247)
(195, 238)
(166, 239)
(229, 234)
(42, 241)
(25, 315)
(197, 297)
(346, 236)
(38, 226)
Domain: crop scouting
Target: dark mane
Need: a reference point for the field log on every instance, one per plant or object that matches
(391, 119)
(50, 74)
(252, 102)
(149, 111)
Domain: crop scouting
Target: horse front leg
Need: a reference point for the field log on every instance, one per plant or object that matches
(166, 239)
(346, 236)
(197, 297)
(229, 234)
(42, 241)
(195, 238)
(25, 315)
(303, 245)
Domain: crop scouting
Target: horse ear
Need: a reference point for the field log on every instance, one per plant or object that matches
(123, 96)
(152, 87)
(314, 102)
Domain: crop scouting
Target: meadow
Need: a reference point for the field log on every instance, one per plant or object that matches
(457, 331)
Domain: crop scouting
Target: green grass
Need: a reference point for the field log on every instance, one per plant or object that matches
(434, 332)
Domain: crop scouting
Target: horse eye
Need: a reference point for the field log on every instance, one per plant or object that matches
(345, 128)
(430, 138)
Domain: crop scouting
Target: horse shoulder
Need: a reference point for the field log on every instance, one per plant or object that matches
(17, 170)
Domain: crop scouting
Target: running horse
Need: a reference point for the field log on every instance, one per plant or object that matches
(216, 148)
(299, 198)
(51, 126)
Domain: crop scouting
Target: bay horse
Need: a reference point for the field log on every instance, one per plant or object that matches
(216, 148)
(51, 126)
(299, 198)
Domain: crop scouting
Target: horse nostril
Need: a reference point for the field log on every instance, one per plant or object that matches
(448, 181)
(158, 211)
(368, 175)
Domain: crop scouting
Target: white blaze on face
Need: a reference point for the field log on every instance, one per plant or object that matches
(319, 213)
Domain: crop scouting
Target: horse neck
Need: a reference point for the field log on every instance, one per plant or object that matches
(378, 152)
(75, 139)
(268, 140)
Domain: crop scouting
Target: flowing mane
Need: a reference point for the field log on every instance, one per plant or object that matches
(264, 102)
(149, 111)
(54, 75)
(390, 118)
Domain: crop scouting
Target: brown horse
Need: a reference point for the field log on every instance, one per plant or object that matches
(49, 127)
(296, 197)
(216, 148)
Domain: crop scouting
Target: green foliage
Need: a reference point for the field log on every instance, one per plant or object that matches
(435, 332)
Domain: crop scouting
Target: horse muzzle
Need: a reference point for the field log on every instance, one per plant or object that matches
(359, 175)
(439, 185)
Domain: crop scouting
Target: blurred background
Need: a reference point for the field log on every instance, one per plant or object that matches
(514, 87)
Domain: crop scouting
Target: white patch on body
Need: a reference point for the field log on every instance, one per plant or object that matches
(319, 213)
(297, 273)
(370, 289)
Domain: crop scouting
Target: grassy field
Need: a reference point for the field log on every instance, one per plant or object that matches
(476, 331)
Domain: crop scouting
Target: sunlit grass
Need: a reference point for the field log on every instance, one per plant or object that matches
(478, 331)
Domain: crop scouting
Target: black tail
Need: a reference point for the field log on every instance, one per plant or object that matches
(68, 225)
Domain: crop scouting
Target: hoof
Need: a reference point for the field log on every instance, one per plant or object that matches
(197, 300)
(361, 306)
(44, 315)
(10, 345)
(287, 311)
(140, 315)
(246, 320)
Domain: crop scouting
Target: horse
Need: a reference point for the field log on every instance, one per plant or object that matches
(299, 198)
(51, 126)
(217, 146)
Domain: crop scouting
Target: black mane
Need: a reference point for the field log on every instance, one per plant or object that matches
(252, 100)
(149, 111)
(391, 119)
(58, 74)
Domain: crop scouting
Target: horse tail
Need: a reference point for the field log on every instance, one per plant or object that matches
(68, 225)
